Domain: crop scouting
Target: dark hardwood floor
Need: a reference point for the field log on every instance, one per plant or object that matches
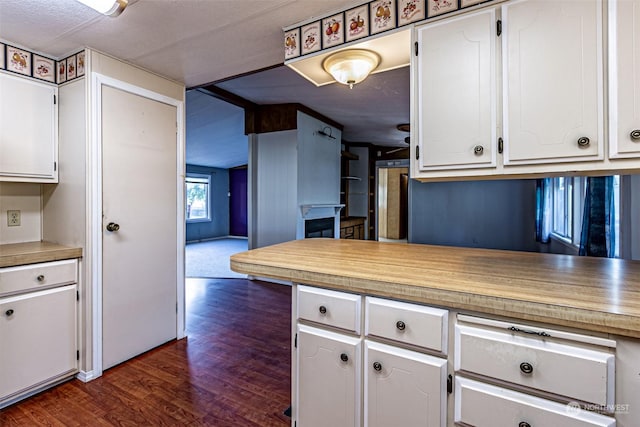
(232, 370)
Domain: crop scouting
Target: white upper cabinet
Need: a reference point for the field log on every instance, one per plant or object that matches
(624, 78)
(552, 81)
(456, 93)
(28, 130)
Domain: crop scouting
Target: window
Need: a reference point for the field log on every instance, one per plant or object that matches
(198, 201)
(567, 206)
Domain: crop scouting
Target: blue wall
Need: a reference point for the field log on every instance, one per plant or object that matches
(219, 224)
(483, 214)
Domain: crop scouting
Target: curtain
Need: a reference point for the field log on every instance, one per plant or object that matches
(598, 228)
(543, 210)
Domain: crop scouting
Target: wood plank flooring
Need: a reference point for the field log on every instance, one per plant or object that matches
(232, 370)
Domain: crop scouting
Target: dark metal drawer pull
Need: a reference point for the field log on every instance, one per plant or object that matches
(377, 366)
(526, 331)
(526, 368)
(322, 309)
(9, 312)
(400, 325)
(344, 357)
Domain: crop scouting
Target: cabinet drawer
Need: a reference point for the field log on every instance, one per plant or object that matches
(483, 405)
(332, 308)
(576, 372)
(37, 276)
(407, 323)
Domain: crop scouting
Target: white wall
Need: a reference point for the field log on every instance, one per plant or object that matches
(318, 162)
(24, 197)
(274, 189)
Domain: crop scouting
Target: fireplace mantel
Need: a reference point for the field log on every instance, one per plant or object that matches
(316, 211)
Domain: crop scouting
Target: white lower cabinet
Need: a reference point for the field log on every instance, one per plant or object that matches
(484, 405)
(38, 339)
(378, 378)
(403, 387)
(329, 378)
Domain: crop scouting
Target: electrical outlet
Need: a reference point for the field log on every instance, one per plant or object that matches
(13, 218)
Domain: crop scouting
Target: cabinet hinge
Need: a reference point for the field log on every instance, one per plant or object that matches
(77, 295)
(415, 47)
(449, 384)
(417, 152)
(295, 341)
(55, 166)
(500, 145)
(77, 354)
(499, 27)
(55, 100)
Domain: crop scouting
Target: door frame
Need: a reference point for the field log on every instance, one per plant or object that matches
(94, 197)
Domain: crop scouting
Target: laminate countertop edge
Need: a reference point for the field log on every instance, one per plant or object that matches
(561, 312)
(16, 254)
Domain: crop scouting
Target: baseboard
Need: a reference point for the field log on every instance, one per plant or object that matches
(86, 376)
(210, 239)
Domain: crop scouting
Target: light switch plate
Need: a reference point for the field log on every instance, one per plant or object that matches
(13, 218)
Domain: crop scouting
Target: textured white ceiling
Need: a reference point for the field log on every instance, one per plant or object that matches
(191, 41)
(197, 42)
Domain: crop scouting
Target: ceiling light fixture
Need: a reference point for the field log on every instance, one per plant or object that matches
(351, 66)
(111, 8)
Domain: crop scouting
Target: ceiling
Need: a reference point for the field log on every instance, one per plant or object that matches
(200, 42)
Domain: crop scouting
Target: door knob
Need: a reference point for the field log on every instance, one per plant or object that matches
(112, 226)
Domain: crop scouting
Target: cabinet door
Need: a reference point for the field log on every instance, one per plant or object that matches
(552, 65)
(38, 336)
(624, 78)
(28, 130)
(456, 93)
(329, 378)
(403, 387)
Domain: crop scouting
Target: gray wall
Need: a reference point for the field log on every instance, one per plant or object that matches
(219, 224)
(483, 214)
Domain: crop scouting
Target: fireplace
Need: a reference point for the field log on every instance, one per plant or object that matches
(319, 221)
(319, 227)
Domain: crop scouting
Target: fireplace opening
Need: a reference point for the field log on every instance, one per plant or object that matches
(320, 227)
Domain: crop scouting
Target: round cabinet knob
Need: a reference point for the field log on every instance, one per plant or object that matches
(478, 149)
(40, 278)
(344, 357)
(526, 368)
(112, 226)
(635, 134)
(9, 312)
(584, 141)
(377, 366)
(322, 309)
(400, 325)
(524, 424)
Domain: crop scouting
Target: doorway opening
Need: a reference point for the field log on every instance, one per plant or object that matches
(392, 207)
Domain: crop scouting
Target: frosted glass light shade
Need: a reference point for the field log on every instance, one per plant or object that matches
(106, 7)
(350, 67)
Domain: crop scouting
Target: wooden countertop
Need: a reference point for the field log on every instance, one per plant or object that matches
(595, 294)
(33, 252)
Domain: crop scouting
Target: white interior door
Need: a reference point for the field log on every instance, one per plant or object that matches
(139, 269)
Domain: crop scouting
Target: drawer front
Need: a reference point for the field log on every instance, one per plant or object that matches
(407, 323)
(483, 405)
(332, 308)
(37, 276)
(567, 370)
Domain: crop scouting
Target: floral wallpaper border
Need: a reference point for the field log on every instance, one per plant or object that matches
(367, 19)
(29, 64)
